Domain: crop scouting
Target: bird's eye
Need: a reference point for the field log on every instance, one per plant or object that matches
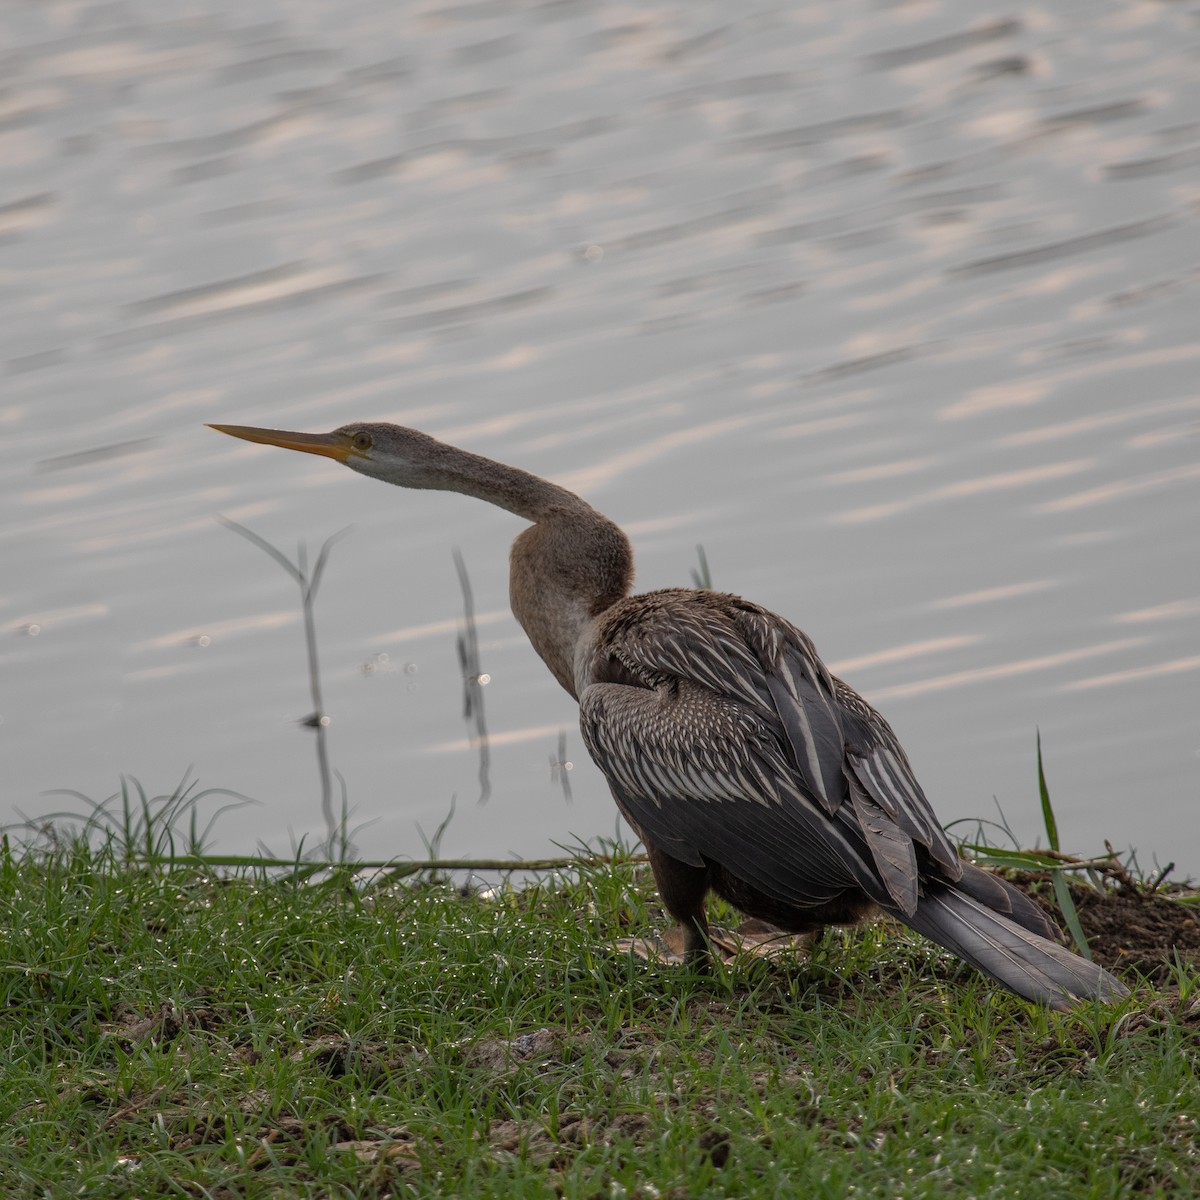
(361, 440)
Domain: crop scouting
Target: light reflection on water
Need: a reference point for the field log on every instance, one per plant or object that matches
(892, 309)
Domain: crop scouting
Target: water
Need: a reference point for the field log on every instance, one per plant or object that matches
(892, 307)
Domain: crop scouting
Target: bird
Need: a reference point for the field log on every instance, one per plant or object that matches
(744, 765)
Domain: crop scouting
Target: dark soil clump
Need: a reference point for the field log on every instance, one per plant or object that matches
(1129, 929)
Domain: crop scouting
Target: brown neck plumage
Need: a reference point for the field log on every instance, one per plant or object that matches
(569, 566)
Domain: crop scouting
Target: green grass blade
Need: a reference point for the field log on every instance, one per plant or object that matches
(1062, 893)
(1021, 860)
(1047, 808)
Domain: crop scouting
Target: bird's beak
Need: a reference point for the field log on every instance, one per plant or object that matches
(332, 445)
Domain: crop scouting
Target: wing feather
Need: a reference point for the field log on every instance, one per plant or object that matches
(801, 692)
(891, 848)
(875, 757)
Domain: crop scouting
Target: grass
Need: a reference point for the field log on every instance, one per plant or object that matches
(188, 1031)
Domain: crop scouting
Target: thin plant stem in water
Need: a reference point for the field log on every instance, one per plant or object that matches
(318, 719)
(561, 766)
(474, 680)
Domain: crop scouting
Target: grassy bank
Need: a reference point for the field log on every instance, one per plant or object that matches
(179, 1032)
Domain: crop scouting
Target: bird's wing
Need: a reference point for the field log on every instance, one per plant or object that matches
(703, 779)
(741, 748)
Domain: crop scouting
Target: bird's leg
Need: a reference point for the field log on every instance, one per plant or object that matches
(697, 952)
(683, 888)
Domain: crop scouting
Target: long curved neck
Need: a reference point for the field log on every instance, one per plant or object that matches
(568, 567)
(450, 468)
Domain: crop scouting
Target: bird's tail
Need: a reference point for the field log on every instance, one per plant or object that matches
(1016, 957)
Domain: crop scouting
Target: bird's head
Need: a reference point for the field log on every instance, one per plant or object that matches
(392, 453)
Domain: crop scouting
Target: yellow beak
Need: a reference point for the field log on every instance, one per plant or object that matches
(332, 445)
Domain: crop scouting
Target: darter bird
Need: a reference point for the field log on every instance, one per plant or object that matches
(743, 764)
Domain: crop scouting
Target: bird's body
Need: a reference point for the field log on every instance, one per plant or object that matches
(743, 764)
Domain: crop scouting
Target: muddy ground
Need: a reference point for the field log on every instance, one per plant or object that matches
(1129, 928)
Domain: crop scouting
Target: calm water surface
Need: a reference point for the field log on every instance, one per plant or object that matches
(893, 307)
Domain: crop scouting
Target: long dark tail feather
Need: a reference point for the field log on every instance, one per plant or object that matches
(1003, 949)
(996, 893)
